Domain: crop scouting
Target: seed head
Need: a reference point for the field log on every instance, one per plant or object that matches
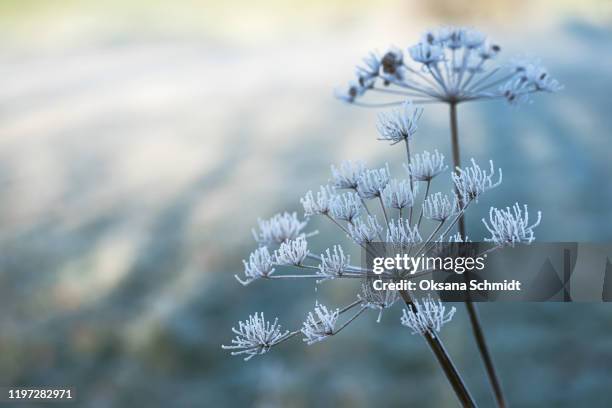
(255, 336)
(510, 226)
(426, 317)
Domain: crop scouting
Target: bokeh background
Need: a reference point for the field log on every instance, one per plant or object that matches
(140, 141)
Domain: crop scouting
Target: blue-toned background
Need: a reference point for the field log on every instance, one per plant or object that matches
(141, 140)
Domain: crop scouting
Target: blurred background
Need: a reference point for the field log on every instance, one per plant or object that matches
(141, 140)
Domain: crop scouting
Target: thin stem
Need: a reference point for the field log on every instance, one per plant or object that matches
(356, 315)
(471, 308)
(452, 375)
(382, 205)
(424, 198)
(410, 176)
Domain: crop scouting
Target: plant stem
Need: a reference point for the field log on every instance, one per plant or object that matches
(453, 376)
(471, 308)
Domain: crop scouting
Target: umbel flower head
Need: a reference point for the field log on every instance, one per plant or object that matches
(255, 336)
(450, 65)
(373, 208)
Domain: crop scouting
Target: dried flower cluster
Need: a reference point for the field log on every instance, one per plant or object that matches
(369, 205)
(449, 64)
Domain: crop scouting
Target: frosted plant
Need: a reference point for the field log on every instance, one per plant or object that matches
(471, 182)
(279, 228)
(372, 182)
(374, 210)
(449, 65)
(320, 325)
(333, 263)
(398, 194)
(440, 207)
(256, 336)
(292, 252)
(511, 226)
(319, 205)
(376, 299)
(347, 174)
(426, 166)
(427, 316)
(260, 265)
(400, 233)
(365, 232)
(346, 206)
(399, 124)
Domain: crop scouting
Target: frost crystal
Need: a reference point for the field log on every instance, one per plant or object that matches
(333, 263)
(426, 317)
(292, 252)
(260, 265)
(472, 181)
(372, 182)
(425, 166)
(401, 234)
(320, 325)
(365, 232)
(376, 299)
(398, 194)
(440, 207)
(510, 226)
(399, 124)
(320, 204)
(348, 174)
(255, 336)
(346, 206)
(280, 228)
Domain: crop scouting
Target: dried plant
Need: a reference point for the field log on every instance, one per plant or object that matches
(373, 208)
(450, 65)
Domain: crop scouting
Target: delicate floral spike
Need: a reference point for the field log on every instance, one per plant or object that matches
(319, 205)
(399, 124)
(260, 265)
(401, 234)
(255, 336)
(426, 317)
(346, 206)
(472, 181)
(280, 228)
(333, 263)
(372, 182)
(440, 207)
(292, 252)
(348, 174)
(320, 325)
(398, 194)
(426, 166)
(510, 226)
(449, 65)
(376, 299)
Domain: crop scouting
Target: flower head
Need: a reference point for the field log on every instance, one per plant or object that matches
(426, 166)
(510, 226)
(319, 205)
(401, 234)
(320, 325)
(348, 174)
(376, 299)
(292, 252)
(399, 124)
(398, 194)
(346, 206)
(255, 336)
(372, 182)
(333, 263)
(260, 265)
(428, 316)
(473, 181)
(440, 207)
(279, 228)
(365, 232)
